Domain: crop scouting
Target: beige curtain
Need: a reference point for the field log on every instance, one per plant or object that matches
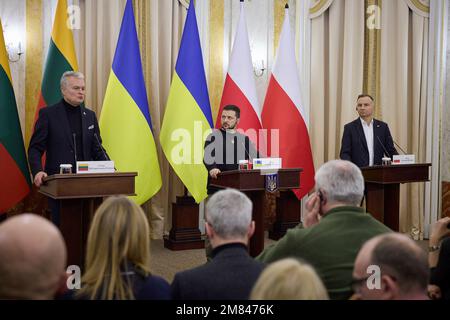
(337, 47)
(404, 42)
(337, 51)
(95, 44)
(165, 21)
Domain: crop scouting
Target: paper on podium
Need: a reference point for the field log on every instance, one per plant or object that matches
(404, 159)
(95, 167)
(267, 165)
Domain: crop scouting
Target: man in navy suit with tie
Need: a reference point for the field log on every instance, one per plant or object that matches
(366, 140)
(67, 132)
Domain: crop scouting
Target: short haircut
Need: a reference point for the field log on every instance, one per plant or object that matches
(289, 279)
(232, 107)
(402, 259)
(363, 95)
(341, 181)
(70, 74)
(229, 213)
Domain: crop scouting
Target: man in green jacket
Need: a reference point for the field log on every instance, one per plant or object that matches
(334, 228)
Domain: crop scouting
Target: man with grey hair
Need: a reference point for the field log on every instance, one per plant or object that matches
(334, 228)
(67, 132)
(391, 267)
(231, 273)
(32, 258)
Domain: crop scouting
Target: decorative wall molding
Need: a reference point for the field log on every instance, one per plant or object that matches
(184, 3)
(420, 7)
(318, 7)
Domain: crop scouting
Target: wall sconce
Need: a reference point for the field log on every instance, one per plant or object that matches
(14, 50)
(13, 42)
(259, 70)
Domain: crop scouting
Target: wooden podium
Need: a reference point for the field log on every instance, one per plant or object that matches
(252, 183)
(80, 195)
(184, 233)
(383, 189)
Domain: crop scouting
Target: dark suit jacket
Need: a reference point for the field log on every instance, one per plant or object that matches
(354, 144)
(230, 275)
(440, 275)
(223, 150)
(52, 135)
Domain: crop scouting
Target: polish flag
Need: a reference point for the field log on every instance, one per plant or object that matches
(283, 111)
(239, 88)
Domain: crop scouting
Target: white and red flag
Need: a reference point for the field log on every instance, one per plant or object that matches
(240, 88)
(283, 111)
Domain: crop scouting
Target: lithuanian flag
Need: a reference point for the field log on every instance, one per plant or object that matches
(61, 57)
(15, 177)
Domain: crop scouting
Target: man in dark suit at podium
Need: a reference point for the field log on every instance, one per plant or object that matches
(67, 132)
(223, 150)
(225, 147)
(366, 140)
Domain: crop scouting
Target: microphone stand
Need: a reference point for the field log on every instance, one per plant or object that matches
(382, 145)
(75, 147)
(101, 147)
(398, 146)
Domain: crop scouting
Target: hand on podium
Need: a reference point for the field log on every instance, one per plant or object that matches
(214, 172)
(39, 178)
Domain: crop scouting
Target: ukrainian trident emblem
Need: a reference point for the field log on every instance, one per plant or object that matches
(272, 182)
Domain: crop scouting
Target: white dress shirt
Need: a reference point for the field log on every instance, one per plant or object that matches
(368, 133)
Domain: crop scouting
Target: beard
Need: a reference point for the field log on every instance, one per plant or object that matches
(229, 127)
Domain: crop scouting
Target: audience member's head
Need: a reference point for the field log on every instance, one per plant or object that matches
(229, 218)
(118, 241)
(32, 258)
(391, 267)
(339, 182)
(289, 279)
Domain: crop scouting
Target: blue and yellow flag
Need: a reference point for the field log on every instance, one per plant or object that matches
(125, 122)
(188, 119)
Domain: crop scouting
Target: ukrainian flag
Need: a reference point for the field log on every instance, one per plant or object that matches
(125, 122)
(188, 119)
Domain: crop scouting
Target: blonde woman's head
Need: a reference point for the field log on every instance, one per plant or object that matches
(119, 237)
(289, 279)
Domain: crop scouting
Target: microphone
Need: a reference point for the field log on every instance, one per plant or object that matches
(101, 147)
(246, 152)
(398, 146)
(382, 145)
(74, 136)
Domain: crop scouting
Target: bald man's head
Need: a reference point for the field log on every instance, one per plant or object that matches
(402, 263)
(32, 258)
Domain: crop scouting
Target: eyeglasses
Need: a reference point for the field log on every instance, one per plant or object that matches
(357, 283)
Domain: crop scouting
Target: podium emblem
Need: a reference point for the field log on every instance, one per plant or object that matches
(272, 182)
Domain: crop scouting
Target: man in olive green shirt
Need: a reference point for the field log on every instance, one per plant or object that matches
(334, 228)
